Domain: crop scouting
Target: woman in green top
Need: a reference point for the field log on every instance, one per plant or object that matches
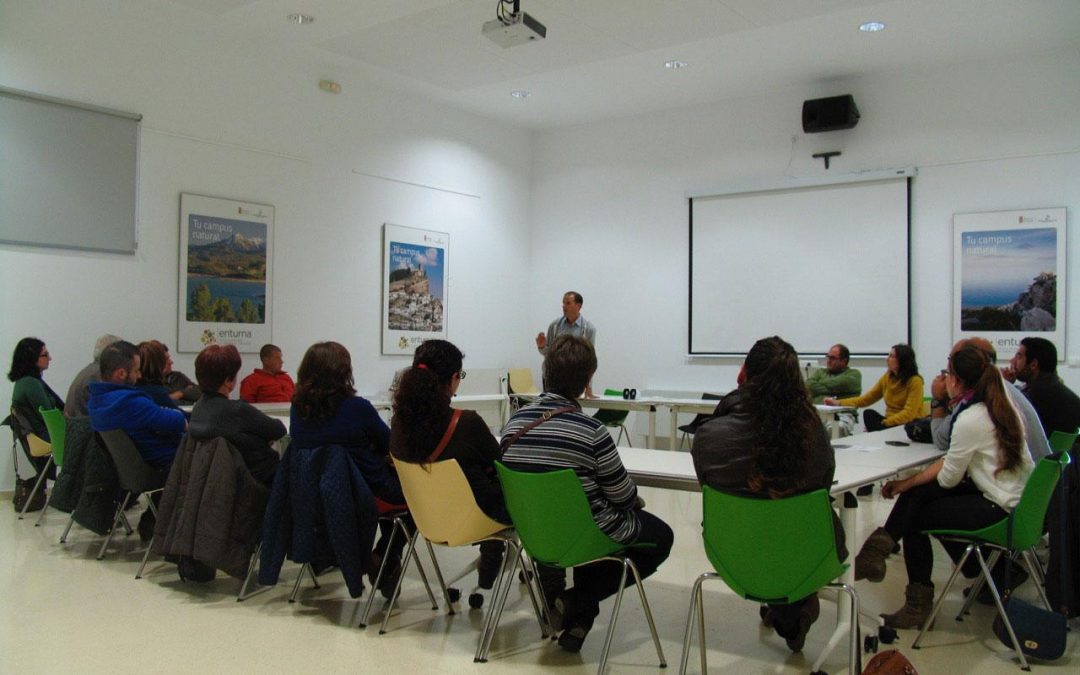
(30, 359)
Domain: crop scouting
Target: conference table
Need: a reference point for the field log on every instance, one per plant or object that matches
(861, 459)
(386, 403)
(674, 405)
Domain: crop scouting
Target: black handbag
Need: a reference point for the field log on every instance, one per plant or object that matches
(1039, 632)
(23, 488)
(919, 430)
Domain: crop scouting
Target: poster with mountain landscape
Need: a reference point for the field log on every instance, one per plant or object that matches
(1009, 277)
(225, 251)
(414, 287)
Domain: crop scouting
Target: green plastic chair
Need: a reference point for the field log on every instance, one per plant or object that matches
(1015, 535)
(769, 551)
(1062, 441)
(57, 426)
(614, 418)
(567, 536)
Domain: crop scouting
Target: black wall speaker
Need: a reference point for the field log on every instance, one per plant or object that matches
(829, 114)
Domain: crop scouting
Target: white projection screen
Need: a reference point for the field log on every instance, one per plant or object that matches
(815, 265)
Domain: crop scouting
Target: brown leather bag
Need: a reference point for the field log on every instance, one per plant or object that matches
(889, 662)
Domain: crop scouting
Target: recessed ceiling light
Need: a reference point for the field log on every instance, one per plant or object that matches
(675, 64)
(872, 27)
(520, 94)
(300, 18)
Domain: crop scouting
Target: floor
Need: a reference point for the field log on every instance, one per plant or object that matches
(66, 611)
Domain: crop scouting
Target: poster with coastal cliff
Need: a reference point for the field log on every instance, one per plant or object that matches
(226, 249)
(414, 287)
(1009, 277)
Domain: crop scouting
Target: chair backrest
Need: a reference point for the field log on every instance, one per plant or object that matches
(442, 503)
(33, 445)
(521, 381)
(611, 418)
(771, 550)
(1029, 514)
(56, 423)
(552, 517)
(1062, 441)
(133, 473)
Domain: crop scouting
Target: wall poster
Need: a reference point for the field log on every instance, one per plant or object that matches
(414, 287)
(1009, 277)
(226, 249)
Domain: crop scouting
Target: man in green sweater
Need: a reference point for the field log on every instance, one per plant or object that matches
(836, 380)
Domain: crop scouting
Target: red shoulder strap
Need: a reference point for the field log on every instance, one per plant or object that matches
(450, 428)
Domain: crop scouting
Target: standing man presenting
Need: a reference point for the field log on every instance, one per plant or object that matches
(570, 323)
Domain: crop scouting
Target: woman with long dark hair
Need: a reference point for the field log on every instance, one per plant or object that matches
(326, 411)
(766, 439)
(154, 365)
(423, 416)
(902, 388)
(29, 361)
(977, 483)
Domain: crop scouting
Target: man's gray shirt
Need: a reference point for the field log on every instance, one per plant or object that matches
(561, 326)
(941, 427)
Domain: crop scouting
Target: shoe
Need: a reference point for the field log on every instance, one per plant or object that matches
(865, 490)
(476, 598)
(766, 616)
(571, 639)
(389, 578)
(870, 562)
(918, 602)
(1018, 577)
(191, 569)
(147, 521)
(808, 614)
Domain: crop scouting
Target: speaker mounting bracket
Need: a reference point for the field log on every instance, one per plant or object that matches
(825, 156)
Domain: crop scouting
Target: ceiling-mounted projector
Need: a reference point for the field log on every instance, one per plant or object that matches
(513, 28)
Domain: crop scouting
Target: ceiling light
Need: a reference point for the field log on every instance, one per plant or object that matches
(675, 64)
(300, 19)
(520, 94)
(872, 27)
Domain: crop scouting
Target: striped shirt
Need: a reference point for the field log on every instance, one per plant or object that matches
(574, 440)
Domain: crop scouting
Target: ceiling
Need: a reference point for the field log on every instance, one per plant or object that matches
(605, 58)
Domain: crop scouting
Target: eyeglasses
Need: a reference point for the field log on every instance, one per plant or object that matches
(45, 355)
(461, 374)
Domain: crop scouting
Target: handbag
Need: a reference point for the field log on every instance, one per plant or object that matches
(23, 488)
(889, 662)
(919, 430)
(1039, 632)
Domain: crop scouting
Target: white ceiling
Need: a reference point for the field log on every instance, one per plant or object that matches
(605, 58)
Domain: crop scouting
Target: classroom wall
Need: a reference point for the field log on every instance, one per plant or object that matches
(228, 118)
(609, 215)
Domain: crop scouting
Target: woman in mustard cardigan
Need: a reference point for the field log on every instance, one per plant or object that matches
(902, 388)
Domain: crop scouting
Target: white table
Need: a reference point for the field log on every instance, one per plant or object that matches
(383, 402)
(865, 461)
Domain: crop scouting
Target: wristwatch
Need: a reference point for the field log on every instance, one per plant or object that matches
(937, 403)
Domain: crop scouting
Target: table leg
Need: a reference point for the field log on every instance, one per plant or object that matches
(674, 436)
(651, 442)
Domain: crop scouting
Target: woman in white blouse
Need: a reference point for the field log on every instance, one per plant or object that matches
(977, 483)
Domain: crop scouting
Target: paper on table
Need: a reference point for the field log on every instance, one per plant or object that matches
(857, 448)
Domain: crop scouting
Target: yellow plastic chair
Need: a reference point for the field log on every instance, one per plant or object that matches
(446, 513)
(35, 446)
(521, 381)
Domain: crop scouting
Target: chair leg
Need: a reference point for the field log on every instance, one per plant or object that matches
(116, 521)
(41, 516)
(378, 577)
(439, 577)
(243, 595)
(149, 545)
(71, 521)
(691, 614)
(941, 597)
(648, 613)
(423, 575)
(410, 547)
(499, 595)
(614, 617)
(299, 579)
(37, 485)
(535, 596)
(854, 661)
(126, 523)
(1035, 569)
(1001, 609)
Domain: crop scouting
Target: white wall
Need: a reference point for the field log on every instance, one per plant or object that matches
(227, 118)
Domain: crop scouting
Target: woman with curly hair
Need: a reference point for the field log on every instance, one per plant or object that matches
(326, 411)
(977, 483)
(766, 440)
(423, 417)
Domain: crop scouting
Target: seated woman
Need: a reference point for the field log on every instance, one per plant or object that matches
(902, 388)
(422, 417)
(30, 359)
(570, 439)
(977, 483)
(326, 411)
(215, 414)
(766, 440)
(154, 362)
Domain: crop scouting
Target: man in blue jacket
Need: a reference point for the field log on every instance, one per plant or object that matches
(115, 403)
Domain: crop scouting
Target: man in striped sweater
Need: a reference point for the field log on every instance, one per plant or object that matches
(570, 439)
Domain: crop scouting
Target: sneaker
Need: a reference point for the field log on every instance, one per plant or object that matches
(571, 639)
(766, 616)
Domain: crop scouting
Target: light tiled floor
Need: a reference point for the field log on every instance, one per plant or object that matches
(67, 612)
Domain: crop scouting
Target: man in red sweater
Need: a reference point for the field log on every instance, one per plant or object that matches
(269, 384)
